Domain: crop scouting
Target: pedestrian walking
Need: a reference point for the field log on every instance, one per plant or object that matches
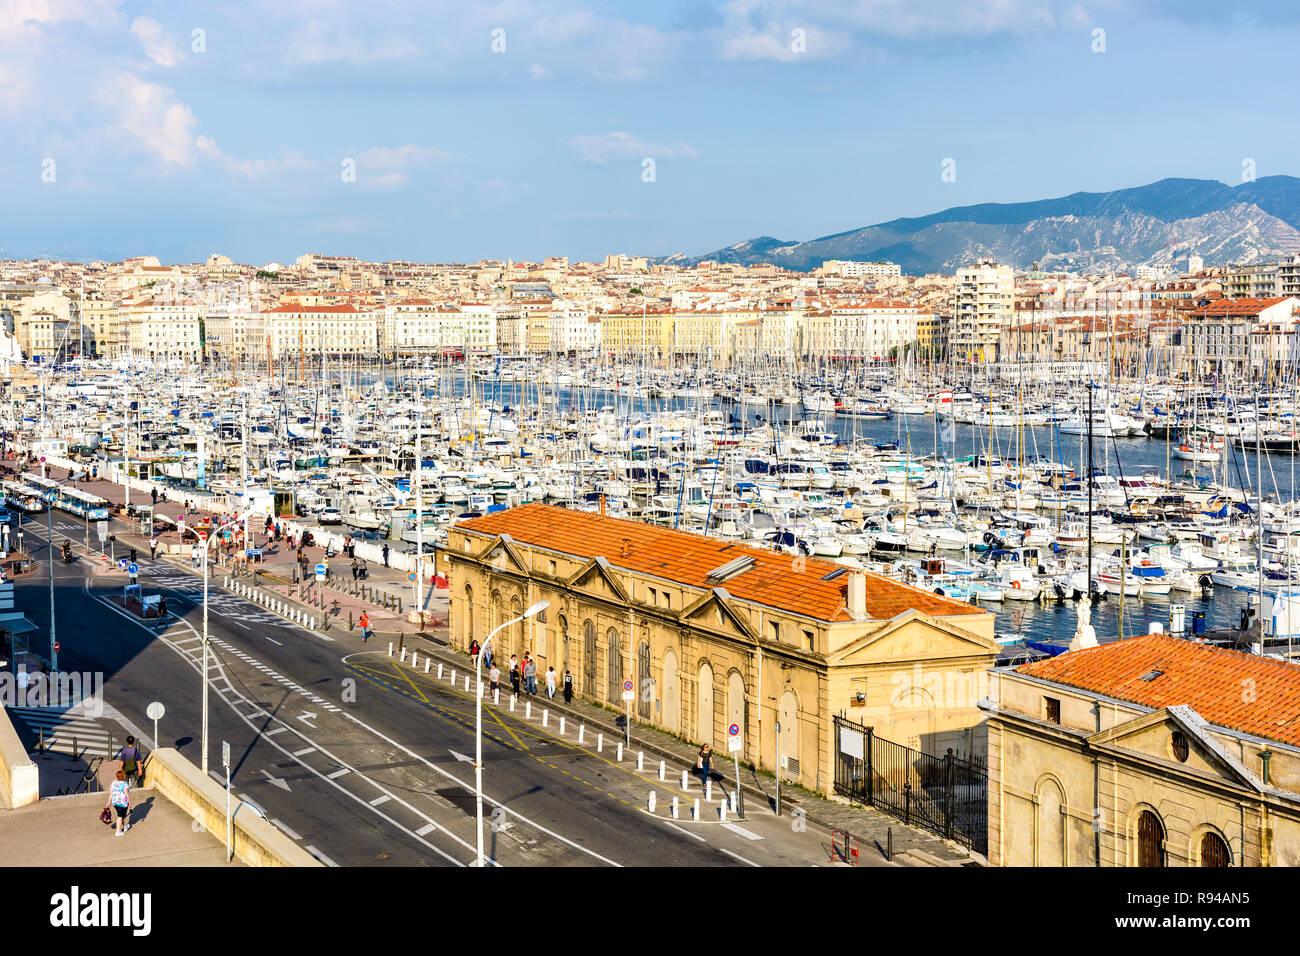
(473, 652)
(162, 611)
(487, 657)
(530, 675)
(119, 801)
(550, 683)
(703, 764)
(494, 682)
(194, 555)
(130, 757)
(153, 549)
(154, 493)
(365, 570)
(568, 687)
(364, 624)
(356, 569)
(385, 554)
(514, 674)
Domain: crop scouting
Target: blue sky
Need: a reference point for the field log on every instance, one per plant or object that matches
(180, 130)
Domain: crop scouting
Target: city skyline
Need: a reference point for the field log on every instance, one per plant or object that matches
(521, 131)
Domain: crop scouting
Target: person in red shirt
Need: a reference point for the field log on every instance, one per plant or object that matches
(365, 627)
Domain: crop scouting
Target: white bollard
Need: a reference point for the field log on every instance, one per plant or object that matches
(618, 754)
(600, 743)
(686, 780)
(413, 657)
(582, 732)
(390, 648)
(652, 801)
(734, 798)
(528, 710)
(403, 657)
(695, 809)
(453, 678)
(513, 700)
(722, 810)
(674, 808)
(640, 760)
(496, 696)
(546, 715)
(561, 724)
(466, 683)
(708, 790)
(426, 665)
(439, 670)
(662, 770)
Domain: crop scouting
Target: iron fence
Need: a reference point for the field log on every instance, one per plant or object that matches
(947, 795)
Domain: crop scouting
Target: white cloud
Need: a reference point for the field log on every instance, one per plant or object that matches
(158, 46)
(151, 114)
(538, 72)
(615, 146)
(387, 167)
(344, 38)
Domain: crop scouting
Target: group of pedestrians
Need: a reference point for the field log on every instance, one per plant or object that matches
(118, 807)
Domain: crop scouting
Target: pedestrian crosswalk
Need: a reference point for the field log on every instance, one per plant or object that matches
(68, 732)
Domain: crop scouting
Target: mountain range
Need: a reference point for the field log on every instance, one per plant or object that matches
(1158, 224)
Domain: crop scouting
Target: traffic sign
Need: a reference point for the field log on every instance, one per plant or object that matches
(155, 711)
(225, 754)
(101, 529)
(121, 564)
(628, 693)
(734, 743)
(57, 645)
(411, 577)
(133, 569)
(203, 536)
(734, 730)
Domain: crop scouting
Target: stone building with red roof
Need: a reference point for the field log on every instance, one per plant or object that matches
(1151, 751)
(714, 632)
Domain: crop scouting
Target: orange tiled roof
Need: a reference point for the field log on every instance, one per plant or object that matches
(688, 558)
(1210, 680)
(1237, 307)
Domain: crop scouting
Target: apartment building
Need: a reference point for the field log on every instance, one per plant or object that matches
(857, 330)
(1151, 751)
(235, 333)
(102, 325)
(983, 300)
(327, 329)
(164, 330)
(862, 270)
(1217, 338)
(645, 333)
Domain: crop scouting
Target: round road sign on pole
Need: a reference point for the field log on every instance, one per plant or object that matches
(155, 711)
(628, 693)
(203, 536)
(411, 577)
(132, 569)
(734, 730)
(57, 647)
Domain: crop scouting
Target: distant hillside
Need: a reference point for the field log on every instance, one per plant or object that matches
(1160, 223)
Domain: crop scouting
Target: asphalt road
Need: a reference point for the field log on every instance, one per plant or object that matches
(360, 760)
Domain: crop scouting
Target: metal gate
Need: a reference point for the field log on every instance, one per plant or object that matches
(947, 795)
(589, 660)
(642, 678)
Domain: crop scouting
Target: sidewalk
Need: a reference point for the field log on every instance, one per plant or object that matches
(871, 827)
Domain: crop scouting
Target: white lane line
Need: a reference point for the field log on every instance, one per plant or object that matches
(735, 856)
(693, 836)
(240, 624)
(305, 750)
(425, 829)
(320, 856)
(283, 828)
(273, 731)
(338, 773)
(378, 800)
(747, 834)
(273, 641)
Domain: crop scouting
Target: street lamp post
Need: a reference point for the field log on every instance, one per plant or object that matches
(49, 533)
(478, 723)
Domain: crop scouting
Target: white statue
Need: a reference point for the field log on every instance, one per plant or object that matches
(1084, 635)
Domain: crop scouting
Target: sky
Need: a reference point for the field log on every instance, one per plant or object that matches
(455, 131)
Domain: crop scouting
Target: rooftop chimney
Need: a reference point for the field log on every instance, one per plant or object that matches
(858, 595)
(627, 546)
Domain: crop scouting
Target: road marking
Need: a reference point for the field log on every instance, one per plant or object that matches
(747, 834)
(424, 829)
(735, 856)
(338, 773)
(273, 731)
(273, 641)
(320, 856)
(305, 750)
(284, 828)
(693, 836)
(378, 800)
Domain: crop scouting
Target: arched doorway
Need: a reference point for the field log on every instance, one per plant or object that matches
(1214, 852)
(1050, 848)
(1151, 840)
(704, 705)
(562, 645)
(644, 682)
(672, 718)
(789, 717)
(614, 666)
(516, 635)
(589, 659)
(736, 702)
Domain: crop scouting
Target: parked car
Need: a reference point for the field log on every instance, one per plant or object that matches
(330, 516)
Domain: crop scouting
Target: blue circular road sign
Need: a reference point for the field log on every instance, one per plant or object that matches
(132, 569)
(734, 730)
(320, 569)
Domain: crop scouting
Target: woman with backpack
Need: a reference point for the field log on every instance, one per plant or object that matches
(130, 757)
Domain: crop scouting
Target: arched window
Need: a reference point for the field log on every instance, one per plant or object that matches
(589, 659)
(1214, 852)
(614, 667)
(517, 637)
(644, 682)
(1151, 840)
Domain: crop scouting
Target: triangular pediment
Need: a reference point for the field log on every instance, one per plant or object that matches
(713, 609)
(900, 640)
(1152, 736)
(502, 554)
(595, 577)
